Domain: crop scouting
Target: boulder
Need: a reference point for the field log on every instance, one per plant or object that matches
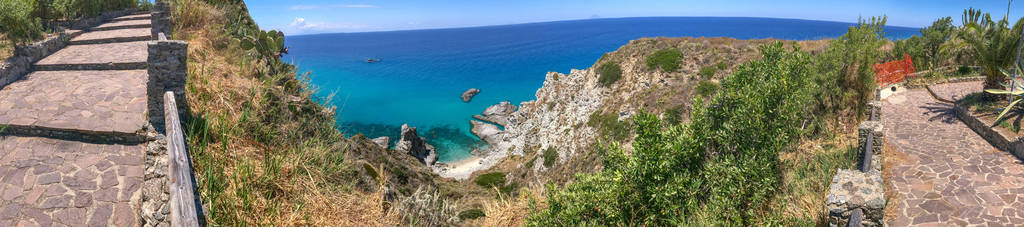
(498, 113)
(468, 95)
(382, 141)
(412, 144)
(488, 132)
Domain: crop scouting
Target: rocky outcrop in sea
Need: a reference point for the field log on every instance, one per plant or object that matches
(468, 95)
(416, 146)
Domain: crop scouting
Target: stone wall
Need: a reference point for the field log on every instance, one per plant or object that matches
(875, 127)
(853, 190)
(167, 72)
(155, 208)
(1014, 145)
(160, 18)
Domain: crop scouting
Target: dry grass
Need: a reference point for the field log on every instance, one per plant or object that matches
(807, 173)
(260, 157)
(6, 49)
(512, 211)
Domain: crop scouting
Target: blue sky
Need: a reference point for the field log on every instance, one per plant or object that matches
(296, 17)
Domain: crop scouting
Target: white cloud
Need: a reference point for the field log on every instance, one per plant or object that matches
(316, 7)
(301, 26)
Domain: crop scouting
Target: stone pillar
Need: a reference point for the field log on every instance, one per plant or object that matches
(876, 147)
(167, 72)
(852, 189)
(160, 18)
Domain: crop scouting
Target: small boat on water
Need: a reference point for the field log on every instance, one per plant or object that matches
(372, 60)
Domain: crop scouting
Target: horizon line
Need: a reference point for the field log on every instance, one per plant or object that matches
(588, 19)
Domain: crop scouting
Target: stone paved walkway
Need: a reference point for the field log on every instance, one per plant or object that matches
(944, 173)
(92, 54)
(107, 101)
(49, 181)
(46, 181)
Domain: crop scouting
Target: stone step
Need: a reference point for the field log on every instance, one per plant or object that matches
(113, 36)
(94, 106)
(145, 16)
(93, 66)
(145, 23)
(108, 56)
(74, 134)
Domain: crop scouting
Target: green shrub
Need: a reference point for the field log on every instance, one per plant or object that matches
(666, 59)
(18, 23)
(721, 65)
(509, 188)
(471, 214)
(708, 72)
(492, 179)
(674, 115)
(609, 125)
(720, 169)
(610, 72)
(964, 70)
(706, 88)
(550, 156)
(843, 80)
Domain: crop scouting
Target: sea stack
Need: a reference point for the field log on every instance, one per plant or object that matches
(416, 146)
(468, 95)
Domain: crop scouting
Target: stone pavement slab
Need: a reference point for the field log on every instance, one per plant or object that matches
(49, 182)
(130, 55)
(124, 24)
(101, 101)
(956, 91)
(944, 173)
(109, 36)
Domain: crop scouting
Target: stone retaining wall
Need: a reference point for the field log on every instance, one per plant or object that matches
(1014, 145)
(167, 72)
(20, 64)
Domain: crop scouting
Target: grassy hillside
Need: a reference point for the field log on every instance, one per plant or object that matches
(265, 149)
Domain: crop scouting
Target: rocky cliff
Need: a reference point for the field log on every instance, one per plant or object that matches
(561, 117)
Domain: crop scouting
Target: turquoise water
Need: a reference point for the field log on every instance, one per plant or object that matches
(422, 73)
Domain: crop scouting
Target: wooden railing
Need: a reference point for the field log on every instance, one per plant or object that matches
(182, 189)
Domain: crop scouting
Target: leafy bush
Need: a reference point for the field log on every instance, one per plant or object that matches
(489, 180)
(674, 115)
(964, 70)
(706, 88)
(609, 125)
(844, 79)
(550, 156)
(18, 23)
(610, 72)
(721, 65)
(471, 214)
(721, 168)
(708, 72)
(666, 59)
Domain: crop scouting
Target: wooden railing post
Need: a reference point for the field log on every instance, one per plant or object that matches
(182, 189)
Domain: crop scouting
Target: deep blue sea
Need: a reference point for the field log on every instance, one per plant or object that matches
(422, 73)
